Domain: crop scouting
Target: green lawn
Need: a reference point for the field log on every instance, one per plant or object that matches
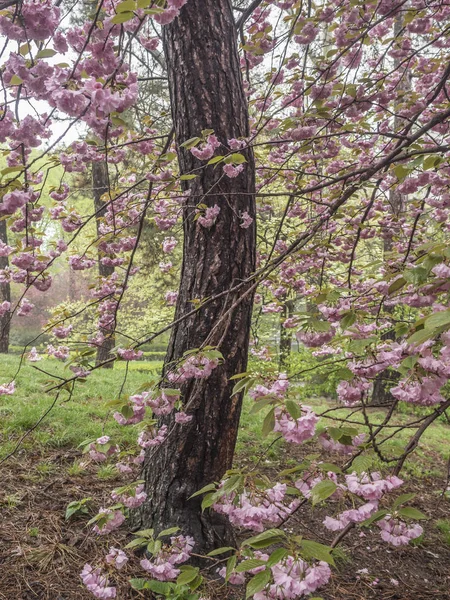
(88, 414)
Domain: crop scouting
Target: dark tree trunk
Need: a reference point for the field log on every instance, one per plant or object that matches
(5, 294)
(100, 187)
(206, 93)
(285, 334)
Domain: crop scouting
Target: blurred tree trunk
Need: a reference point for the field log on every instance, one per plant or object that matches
(386, 379)
(100, 187)
(5, 294)
(207, 92)
(285, 334)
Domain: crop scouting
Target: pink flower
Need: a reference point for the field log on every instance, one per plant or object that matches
(247, 220)
(169, 244)
(210, 216)
(208, 148)
(129, 353)
(97, 583)
(116, 557)
(232, 171)
(181, 418)
(111, 520)
(296, 430)
(7, 389)
(397, 532)
(33, 355)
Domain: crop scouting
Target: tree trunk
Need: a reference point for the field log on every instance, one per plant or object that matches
(99, 187)
(285, 335)
(5, 294)
(381, 394)
(206, 91)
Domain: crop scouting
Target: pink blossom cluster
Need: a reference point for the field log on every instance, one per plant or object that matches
(7, 389)
(129, 353)
(110, 520)
(209, 216)
(132, 500)
(208, 148)
(197, 366)
(162, 565)
(298, 430)
(117, 558)
(277, 389)
(294, 578)
(255, 510)
(152, 437)
(101, 449)
(97, 583)
(61, 352)
(397, 532)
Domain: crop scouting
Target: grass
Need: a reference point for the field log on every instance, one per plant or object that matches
(86, 415)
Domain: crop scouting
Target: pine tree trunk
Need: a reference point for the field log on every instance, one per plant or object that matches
(206, 91)
(5, 294)
(100, 187)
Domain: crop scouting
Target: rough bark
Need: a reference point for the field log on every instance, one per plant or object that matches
(99, 188)
(5, 294)
(206, 93)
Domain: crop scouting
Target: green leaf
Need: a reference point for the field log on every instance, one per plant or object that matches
(231, 563)
(264, 539)
(348, 320)
(118, 122)
(208, 488)
(169, 531)
(260, 404)
(46, 53)
(396, 285)
(238, 159)
(159, 587)
(214, 160)
(139, 584)
(24, 49)
(310, 549)
(187, 575)
(276, 556)
(239, 386)
(411, 513)
(438, 319)
(126, 6)
(145, 533)
(122, 17)
(268, 423)
(188, 177)
(257, 583)
(191, 143)
(322, 491)
(15, 80)
(375, 517)
(249, 564)
(222, 550)
(362, 464)
(293, 409)
(401, 172)
(402, 499)
(420, 336)
(208, 501)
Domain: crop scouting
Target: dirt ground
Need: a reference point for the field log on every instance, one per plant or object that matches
(42, 554)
